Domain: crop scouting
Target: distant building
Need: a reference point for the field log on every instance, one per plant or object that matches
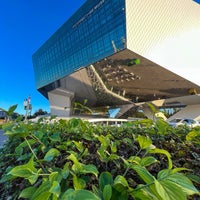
(2, 114)
(99, 54)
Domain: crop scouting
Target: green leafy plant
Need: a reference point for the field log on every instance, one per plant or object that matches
(9, 112)
(193, 136)
(77, 160)
(81, 108)
(133, 62)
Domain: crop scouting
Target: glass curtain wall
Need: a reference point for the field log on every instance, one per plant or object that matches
(95, 31)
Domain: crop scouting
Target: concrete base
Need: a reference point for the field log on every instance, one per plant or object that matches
(61, 102)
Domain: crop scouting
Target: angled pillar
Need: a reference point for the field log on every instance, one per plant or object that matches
(190, 111)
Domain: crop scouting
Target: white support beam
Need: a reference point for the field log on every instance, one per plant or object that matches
(190, 111)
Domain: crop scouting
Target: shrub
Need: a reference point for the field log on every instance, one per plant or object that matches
(77, 160)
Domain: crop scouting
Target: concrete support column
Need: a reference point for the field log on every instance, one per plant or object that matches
(61, 102)
(148, 113)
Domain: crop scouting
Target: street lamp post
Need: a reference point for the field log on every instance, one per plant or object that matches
(27, 107)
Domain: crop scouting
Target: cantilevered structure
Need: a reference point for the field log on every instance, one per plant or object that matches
(102, 53)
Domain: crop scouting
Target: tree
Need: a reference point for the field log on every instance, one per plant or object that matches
(40, 112)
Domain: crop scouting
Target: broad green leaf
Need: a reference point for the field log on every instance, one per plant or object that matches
(55, 188)
(51, 154)
(127, 141)
(167, 172)
(11, 109)
(134, 159)
(74, 123)
(85, 152)
(27, 192)
(39, 134)
(89, 169)
(55, 137)
(184, 183)
(77, 166)
(162, 126)
(19, 148)
(65, 171)
(168, 177)
(163, 193)
(18, 131)
(42, 192)
(146, 161)
(192, 135)
(97, 191)
(116, 195)
(68, 195)
(44, 195)
(79, 146)
(144, 142)
(56, 175)
(194, 178)
(166, 153)
(78, 183)
(179, 169)
(120, 184)
(169, 191)
(113, 147)
(143, 194)
(27, 171)
(105, 178)
(113, 157)
(146, 122)
(164, 174)
(101, 153)
(32, 179)
(105, 140)
(143, 173)
(80, 195)
(126, 163)
(7, 176)
(107, 192)
(73, 158)
(25, 156)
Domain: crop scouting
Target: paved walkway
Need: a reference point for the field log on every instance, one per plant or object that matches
(2, 138)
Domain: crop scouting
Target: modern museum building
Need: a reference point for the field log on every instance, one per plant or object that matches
(104, 53)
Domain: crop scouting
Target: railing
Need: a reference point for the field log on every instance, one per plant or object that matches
(108, 121)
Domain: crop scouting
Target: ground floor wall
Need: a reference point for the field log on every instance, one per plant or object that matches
(61, 102)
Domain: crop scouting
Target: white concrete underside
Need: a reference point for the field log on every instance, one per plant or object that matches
(167, 33)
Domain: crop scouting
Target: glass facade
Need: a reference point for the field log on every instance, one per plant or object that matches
(95, 31)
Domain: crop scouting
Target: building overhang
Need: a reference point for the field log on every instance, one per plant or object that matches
(143, 81)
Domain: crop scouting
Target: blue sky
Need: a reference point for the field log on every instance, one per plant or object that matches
(198, 1)
(25, 26)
